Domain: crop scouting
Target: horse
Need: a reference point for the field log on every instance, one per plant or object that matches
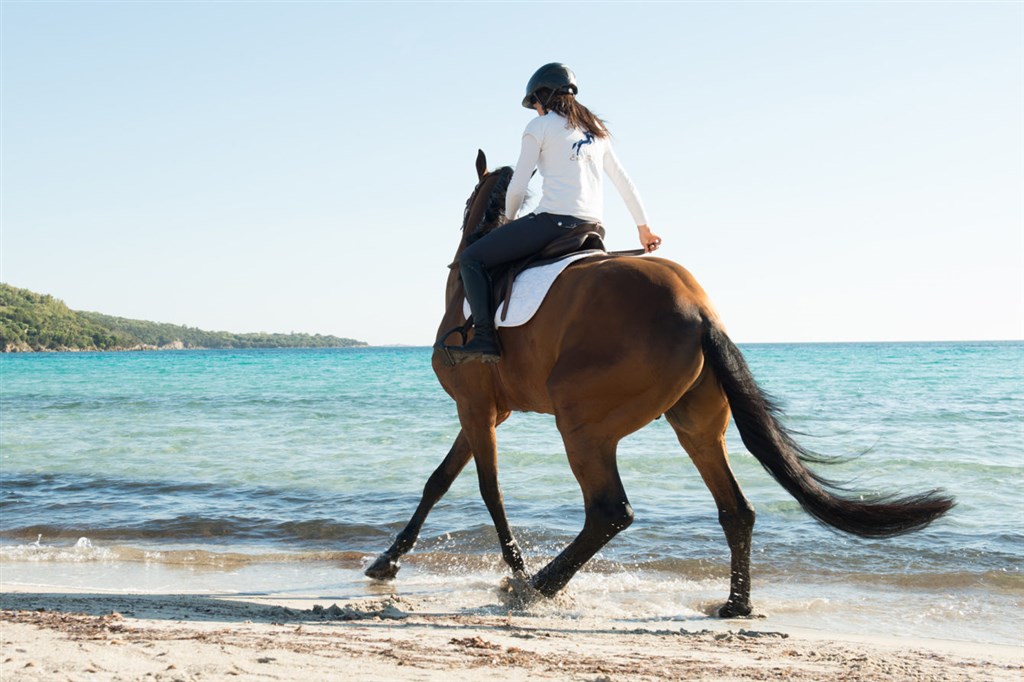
(617, 343)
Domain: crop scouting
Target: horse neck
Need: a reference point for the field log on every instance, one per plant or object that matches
(454, 282)
(454, 292)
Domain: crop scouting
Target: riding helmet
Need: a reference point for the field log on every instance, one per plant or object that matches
(557, 77)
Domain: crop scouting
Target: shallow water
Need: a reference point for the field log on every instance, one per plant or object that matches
(257, 471)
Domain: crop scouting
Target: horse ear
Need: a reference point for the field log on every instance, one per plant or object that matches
(481, 164)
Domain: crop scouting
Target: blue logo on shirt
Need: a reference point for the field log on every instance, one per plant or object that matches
(577, 149)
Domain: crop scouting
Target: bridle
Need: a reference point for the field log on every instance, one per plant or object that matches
(492, 215)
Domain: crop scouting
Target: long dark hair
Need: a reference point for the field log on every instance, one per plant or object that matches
(576, 115)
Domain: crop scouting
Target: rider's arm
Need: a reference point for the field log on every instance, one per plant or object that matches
(630, 195)
(528, 157)
(627, 190)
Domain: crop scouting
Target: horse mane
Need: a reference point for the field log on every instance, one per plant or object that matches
(493, 213)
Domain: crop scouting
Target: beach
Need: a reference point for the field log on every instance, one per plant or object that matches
(209, 515)
(199, 463)
(117, 636)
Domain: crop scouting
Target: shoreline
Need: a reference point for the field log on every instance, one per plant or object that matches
(937, 608)
(13, 349)
(56, 631)
(144, 348)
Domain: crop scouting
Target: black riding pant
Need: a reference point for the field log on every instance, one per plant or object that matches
(513, 241)
(517, 239)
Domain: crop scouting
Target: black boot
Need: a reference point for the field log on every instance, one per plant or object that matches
(484, 344)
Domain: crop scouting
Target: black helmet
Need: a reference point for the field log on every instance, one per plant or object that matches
(557, 77)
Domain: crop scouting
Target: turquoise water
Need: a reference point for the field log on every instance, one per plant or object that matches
(251, 463)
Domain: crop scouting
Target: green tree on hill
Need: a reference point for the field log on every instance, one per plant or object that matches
(31, 321)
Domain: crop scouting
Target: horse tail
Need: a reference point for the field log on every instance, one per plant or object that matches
(757, 418)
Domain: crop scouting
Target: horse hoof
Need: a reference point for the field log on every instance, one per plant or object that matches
(733, 610)
(384, 568)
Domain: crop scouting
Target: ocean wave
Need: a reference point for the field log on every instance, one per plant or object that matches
(81, 551)
(442, 562)
(86, 550)
(229, 529)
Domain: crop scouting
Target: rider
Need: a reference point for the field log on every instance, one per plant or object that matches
(571, 147)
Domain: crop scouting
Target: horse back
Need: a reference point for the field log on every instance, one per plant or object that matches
(610, 324)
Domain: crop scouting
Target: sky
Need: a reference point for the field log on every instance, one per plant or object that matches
(828, 171)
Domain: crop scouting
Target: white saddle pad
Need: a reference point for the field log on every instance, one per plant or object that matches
(529, 290)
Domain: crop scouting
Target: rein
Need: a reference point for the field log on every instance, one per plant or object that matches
(501, 178)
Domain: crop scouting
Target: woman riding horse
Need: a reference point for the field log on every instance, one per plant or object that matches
(618, 343)
(572, 149)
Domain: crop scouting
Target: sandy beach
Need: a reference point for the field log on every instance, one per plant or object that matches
(62, 635)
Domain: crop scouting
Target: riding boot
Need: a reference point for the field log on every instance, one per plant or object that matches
(484, 345)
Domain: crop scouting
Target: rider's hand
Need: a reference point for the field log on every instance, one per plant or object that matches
(648, 239)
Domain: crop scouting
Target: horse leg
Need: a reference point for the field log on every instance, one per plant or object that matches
(386, 566)
(699, 420)
(480, 433)
(607, 510)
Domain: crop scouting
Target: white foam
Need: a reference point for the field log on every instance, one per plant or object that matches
(631, 598)
(82, 551)
(624, 595)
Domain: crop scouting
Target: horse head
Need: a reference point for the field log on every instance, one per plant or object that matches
(485, 208)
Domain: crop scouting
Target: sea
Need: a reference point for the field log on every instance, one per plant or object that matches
(287, 471)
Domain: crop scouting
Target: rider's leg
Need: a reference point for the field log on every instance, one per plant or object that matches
(484, 344)
(515, 240)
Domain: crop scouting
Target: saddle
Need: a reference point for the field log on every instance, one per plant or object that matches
(583, 237)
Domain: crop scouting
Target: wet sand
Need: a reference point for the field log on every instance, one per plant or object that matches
(66, 635)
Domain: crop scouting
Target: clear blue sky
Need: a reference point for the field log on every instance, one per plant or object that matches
(828, 171)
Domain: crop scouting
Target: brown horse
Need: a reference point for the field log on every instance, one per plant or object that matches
(617, 343)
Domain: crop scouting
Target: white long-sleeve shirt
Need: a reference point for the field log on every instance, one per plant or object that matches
(572, 163)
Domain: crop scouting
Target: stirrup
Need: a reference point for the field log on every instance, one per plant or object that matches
(459, 355)
(456, 355)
